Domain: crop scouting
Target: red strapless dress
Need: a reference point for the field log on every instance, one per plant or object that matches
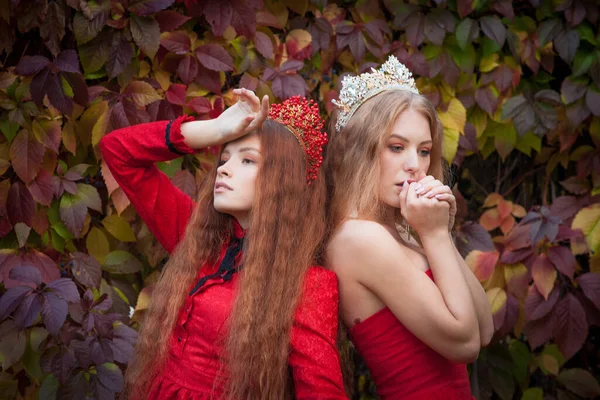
(402, 366)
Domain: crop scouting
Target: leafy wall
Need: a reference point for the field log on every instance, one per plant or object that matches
(517, 86)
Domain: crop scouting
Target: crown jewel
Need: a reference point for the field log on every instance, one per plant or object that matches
(358, 89)
(301, 117)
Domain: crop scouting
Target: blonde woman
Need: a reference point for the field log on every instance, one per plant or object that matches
(415, 311)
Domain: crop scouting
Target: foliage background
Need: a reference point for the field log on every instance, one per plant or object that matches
(517, 85)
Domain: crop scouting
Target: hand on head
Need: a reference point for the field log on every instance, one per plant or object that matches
(245, 116)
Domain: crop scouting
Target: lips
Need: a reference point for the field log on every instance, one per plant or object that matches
(409, 181)
(223, 185)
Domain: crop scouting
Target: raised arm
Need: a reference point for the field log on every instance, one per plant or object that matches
(314, 358)
(131, 154)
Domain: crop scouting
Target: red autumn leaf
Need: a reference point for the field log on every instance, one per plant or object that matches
(210, 80)
(464, 7)
(169, 20)
(49, 133)
(286, 86)
(248, 81)
(243, 19)
(44, 264)
(145, 7)
(518, 237)
(490, 219)
(264, 45)
(26, 154)
(177, 94)
(20, 204)
(201, 105)
(54, 312)
(298, 44)
(219, 15)
(119, 56)
(41, 188)
(28, 311)
(31, 65)
(494, 29)
(476, 236)
(536, 307)
(68, 61)
(86, 269)
(571, 325)
(590, 285)
(214, 57)
(486, 100)
(503, 7)
(40, 222)
(176, 42)
(188, 69)
(72, 213)
(565, 207)
(482, 263)
(185, 181)
(146, 34)
(563, 259)
(539, 331)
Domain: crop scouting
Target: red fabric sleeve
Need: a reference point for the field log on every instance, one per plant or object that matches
(314, 356)
(131, 154)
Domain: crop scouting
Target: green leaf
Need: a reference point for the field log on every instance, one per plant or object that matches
(119, 228)
(466, 32)
(505, 137)
(170, 168)
(88, 195)
(9, 129)
(582, 62)
(94, 54)
(121, 262)
(587, 33)
(528, 142)
(72, 213)
(521, 359)
(465, 59)
(533, 394)
(49, 388)
(84, 29)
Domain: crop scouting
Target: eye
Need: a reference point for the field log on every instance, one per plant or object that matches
(425, 152)
(396, 148)
(248, 161)
(222, 162)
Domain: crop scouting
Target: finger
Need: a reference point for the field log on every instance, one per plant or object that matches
(434, 191)
(422, 185)
(252, 99)
(264, 111)
(403, 193)
(411, 196)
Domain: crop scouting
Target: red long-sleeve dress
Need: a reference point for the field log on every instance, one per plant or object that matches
(194, 347)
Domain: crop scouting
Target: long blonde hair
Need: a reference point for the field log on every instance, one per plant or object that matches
(353, 158)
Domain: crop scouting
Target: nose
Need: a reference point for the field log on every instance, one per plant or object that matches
(224, 170)
(411, 162)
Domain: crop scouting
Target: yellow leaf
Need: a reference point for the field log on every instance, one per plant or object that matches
(518, 211)
(144, 69)
(490, 219)
(588, 220)
(544, 275)
(163, 78)
(119, 228)
(488, 63)
(450, 144)
(492, 200)
(549, 363)
(298, 6)
(517, 279)
(496, 280)
(100, 127)
(478, 118)
(89, 119)
(142, 93)
(497, 298)
(455, 116)
(97, 244)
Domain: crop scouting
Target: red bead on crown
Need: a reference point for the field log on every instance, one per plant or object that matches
(301, 117)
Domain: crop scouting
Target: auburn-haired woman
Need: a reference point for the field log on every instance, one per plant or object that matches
(241, 311)
(415, 311)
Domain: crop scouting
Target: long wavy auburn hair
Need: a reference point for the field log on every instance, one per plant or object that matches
(353, 160)
(285, 237)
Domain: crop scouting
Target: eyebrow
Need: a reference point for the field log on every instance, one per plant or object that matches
(406, 140)
(243, 149)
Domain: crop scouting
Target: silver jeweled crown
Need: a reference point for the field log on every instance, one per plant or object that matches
(358, 89)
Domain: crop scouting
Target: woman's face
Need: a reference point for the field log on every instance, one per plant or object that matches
(406, 155)
(235, 186)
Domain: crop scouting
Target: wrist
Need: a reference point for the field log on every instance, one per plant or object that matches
(434, 237)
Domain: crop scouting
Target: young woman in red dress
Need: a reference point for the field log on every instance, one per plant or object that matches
(415, 311)
(241, 310)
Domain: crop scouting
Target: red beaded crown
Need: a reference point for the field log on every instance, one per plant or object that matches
(301, 117)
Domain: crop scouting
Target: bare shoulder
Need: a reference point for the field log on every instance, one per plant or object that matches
(356, 242)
